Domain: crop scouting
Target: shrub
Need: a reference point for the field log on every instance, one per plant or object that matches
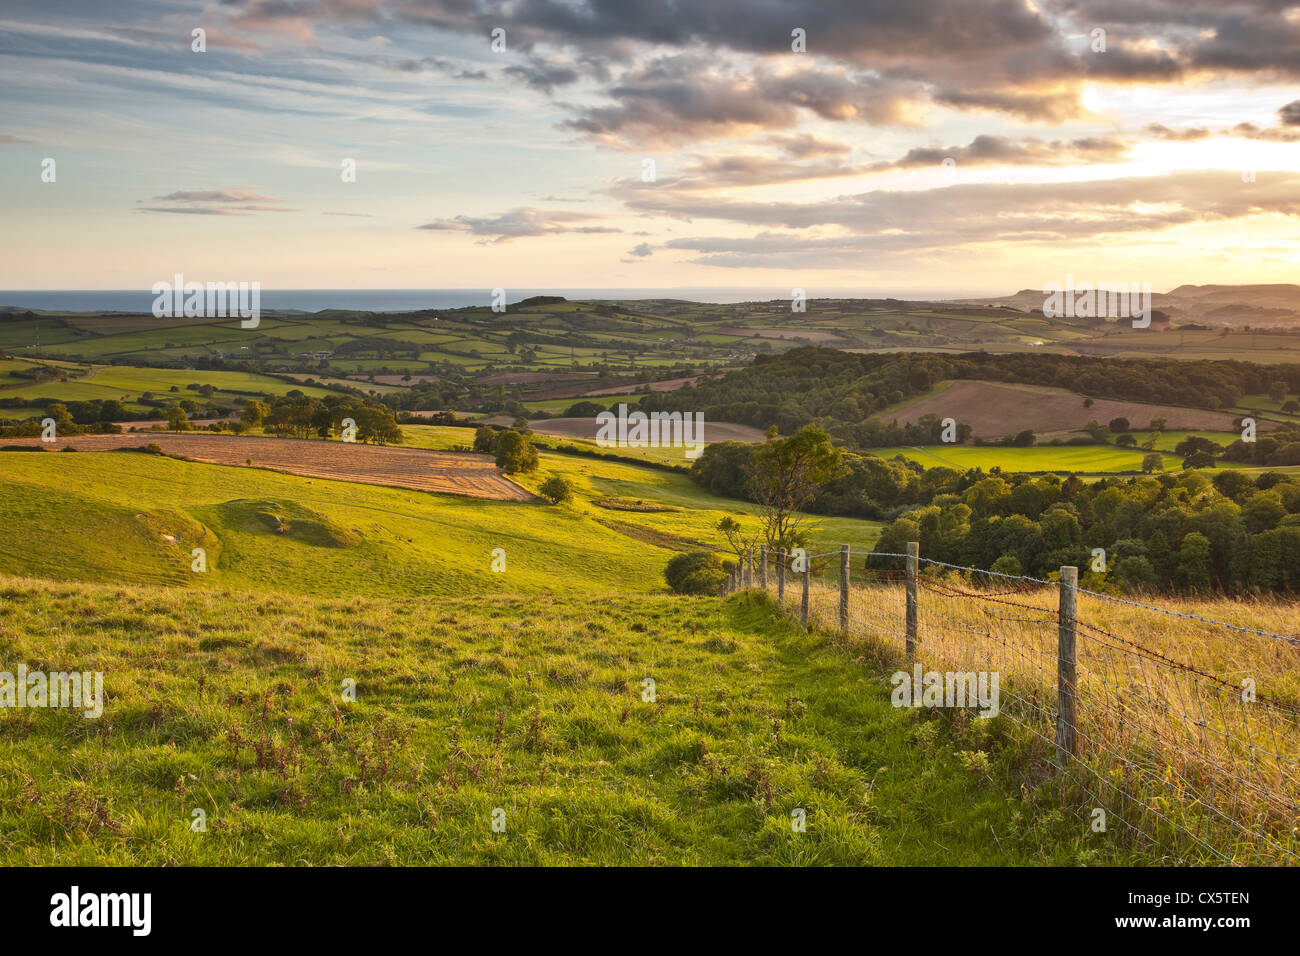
(557, 489)
(695, 572)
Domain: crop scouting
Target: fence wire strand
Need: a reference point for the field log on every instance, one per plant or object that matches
(1186, 729)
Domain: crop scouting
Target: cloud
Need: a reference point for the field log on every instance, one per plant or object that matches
(987, 150)
(1290, 114)
(679, 99)
(525, 221)
(641, 250)
(543, 75)
(236, 201)
(8, 140)
(885, 222)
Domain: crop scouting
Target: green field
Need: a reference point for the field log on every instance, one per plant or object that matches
(466, 706)
(1082, 458)
(149, 512)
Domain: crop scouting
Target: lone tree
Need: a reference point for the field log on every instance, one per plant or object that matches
(515, 453)
(784, 477)
(557, 489)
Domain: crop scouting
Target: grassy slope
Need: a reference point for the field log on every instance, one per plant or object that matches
(103, 517)
(232, 705)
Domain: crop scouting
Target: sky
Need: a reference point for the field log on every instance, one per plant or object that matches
(963, 146)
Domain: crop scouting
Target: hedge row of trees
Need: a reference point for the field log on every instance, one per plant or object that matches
(302, 416)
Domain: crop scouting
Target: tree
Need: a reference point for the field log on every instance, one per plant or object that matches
(784, 478)
(515, 453)
(1007, 564)
(1193, 568)
(1199, 459)
(737, 539)
(1153, 463)
(557, 489)
(1118, 425)
(254, 413)
(485, 439)
(1277, 391)
(696, 572)
(1126, 441)
(1158, 424)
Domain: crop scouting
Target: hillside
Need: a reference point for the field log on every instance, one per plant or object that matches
(1258, 306)
(125, 517)
(535, 707)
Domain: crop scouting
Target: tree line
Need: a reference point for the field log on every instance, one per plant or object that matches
(1187, 532)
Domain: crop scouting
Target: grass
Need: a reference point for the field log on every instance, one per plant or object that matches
(698, 511)
(1081, 458)
(1181, 762)
(107, 516)
(535, 707)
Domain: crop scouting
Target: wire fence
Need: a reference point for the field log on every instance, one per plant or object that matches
(1170, 728)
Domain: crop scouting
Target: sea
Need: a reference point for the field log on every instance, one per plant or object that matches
(407, 300)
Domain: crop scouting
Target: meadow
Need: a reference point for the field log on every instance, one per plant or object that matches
(464, 707)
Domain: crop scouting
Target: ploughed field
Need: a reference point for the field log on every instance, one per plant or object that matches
(994, 409)
(443, 472)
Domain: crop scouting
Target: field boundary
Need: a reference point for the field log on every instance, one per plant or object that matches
(1200, 762)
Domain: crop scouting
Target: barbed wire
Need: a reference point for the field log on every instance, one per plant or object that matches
(1169, 748)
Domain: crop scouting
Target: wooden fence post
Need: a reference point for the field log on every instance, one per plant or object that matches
(749, 567)
(780, 577)
(844, 589)
(1067, 741)
(913, 563)
(762, 567)
(803, 606)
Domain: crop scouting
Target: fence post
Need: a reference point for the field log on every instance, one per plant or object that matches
(762, 567)
(913, 562)
(749, 567)
(780, 577)
(844, 589)
(803, 606)
(1067, 744)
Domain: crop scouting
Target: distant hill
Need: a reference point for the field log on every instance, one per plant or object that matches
(1259, 306)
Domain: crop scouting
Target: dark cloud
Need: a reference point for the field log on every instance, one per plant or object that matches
(679, 99)
(1011, 151)
(1290, 114)
(544, 76)
(522, 222)
(869, 61)
(641, 250)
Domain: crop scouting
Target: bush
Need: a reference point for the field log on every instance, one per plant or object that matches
(557, 489)
(695, 572)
